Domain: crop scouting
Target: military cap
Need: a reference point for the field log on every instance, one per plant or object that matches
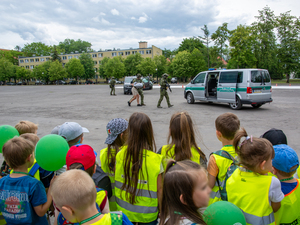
(138, 75)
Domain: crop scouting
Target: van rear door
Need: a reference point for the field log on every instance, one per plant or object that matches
(227, 86)
(260, 85)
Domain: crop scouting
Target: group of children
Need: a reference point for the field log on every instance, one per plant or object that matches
(165, 187)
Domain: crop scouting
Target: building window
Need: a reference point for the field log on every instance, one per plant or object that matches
(69, 57)
(95, 62)
(21, 61)
(37, 60)
(120, 53)
(148, 51)
(64, 57)
(76, 56)
(134, 52)
(113, 54)
(26, 60)
(47, 59)
(100, 54)
(31, 60)
(32, 66)
(99, 62)
(141, 52)
(63, 64)
(96, 71)
(42, 59)
(27, 67)
(127, 53)
(94, 55)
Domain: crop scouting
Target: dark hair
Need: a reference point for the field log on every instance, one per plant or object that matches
(252, 151)
(183, 137)
(290, 174)
(228, 124)
(75, 141)
(16, 151)
(179, 180)
(90, 170)
(119, 142)
(140, 137)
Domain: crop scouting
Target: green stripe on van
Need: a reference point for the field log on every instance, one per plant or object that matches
(195, 88)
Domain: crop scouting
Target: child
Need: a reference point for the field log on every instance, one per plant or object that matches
(74, 194)
(26, 127)
(138, 173)
(185, 190)
(117, 131)
(250, 187)
(285, 164)
(183, 145)
(83, 157)
(227, 125)
(23, 198)
(275, 136)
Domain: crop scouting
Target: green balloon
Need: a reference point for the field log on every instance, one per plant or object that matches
(7, 132)
(224, 213)
(51, 151)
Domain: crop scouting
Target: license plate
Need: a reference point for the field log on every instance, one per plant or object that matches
(257, 91)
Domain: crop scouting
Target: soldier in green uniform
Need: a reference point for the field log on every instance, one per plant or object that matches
(140, 90)
(112, 86)
(163, 91)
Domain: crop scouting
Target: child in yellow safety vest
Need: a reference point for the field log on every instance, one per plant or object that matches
(183, 145)
(250, 187)
(285, 164)
(74, 194)
(185, 190)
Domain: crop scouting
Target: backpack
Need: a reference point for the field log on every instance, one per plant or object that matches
(102, 180)
(230, 170)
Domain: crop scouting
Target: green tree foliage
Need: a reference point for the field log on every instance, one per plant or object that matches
(161, 65)
(74, 68)
(206, 39)
(41, 72)
(11, 56)
(215, 59)
(197, 62)
(167, 53)
(70, 45)
(220, 38)
(37, 48)
(56, 71)
(23, 74)
(88, 64)
(55, 56)
(189, 44)
(114, 68)
(181, 65)
(288, 29)
(147, 67)
(6, 69)
(101, 67)
(131, 64)
(242, 45)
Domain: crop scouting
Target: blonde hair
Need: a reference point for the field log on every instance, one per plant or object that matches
(16, 151)
(25, 126)
(31, 137)
(74, 188)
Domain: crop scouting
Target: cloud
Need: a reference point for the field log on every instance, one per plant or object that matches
(105, 22)
(114, 12)
(143, 19)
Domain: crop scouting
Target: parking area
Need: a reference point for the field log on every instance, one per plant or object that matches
(93, 107)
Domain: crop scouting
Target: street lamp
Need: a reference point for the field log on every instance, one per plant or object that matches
(156, 76)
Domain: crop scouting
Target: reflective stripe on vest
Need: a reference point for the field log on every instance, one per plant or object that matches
(250, 192)
(140, 192)
(136, 208)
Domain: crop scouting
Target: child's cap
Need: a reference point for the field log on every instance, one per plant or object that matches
(114, 128)
(71, 130)
(55, 130)
(275, 136)
(83, 154)
(285, 158)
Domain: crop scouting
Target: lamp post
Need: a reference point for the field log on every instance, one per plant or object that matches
(156, 76)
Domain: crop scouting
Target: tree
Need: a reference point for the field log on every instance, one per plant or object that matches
(206, 40)
(6, 69)
(70, 45)
(75, 69)
(40, 72)
(220, 37)
(56, 71)
(18, 48)
(168, 53)
(114, 68)
(181, 65)
(131, 64)
(23, 74)
(55, 56)
(197, 62)
(147, 67)
(288, 29)
(101, 67)
(88, 64)
(37, 48)
(189, 44)
(161, 65)
(11, 56)
(215, 59)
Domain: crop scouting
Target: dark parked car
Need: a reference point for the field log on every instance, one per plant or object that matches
(73, 82)
(39, 82)
(128, 81)
(10, 83)
(174, 80)
(89, 82)
(21, 83)
(61, 82)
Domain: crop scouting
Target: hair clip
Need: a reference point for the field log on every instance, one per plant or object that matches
(251, 138)
(178, 213)
(173, 163)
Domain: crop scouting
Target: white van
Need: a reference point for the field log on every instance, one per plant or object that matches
(235, 86)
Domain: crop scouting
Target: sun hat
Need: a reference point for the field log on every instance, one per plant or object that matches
(114, 128)
(71, 130)
(285, 158)
(275, 136)
(83, 154)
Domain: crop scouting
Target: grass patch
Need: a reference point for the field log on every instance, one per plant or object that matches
(283, 81)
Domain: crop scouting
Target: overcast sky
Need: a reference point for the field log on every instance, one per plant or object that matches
(122, 24)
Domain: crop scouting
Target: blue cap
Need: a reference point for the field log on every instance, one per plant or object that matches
(285, 158)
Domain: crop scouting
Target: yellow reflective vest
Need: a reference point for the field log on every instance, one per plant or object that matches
(37, 173)
(289, 212)
(223, 165)
(250, 192)
(145, 209)
(113, 218)
(110, 174)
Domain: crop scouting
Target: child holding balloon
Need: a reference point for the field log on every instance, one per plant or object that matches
(33, 202)
(185, 190)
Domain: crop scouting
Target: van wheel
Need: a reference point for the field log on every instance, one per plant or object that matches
(256, 106)
(190, 98)
(237, 104)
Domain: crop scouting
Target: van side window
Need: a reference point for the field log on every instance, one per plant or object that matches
(266, 76)
(228, 77)
(240, 77)
(256, 76)
(200, 78)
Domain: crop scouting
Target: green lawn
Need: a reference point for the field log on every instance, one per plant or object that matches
(283, 81)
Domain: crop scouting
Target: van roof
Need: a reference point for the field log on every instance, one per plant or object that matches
(220, 70)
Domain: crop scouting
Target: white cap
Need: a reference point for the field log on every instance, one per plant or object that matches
(71, 130)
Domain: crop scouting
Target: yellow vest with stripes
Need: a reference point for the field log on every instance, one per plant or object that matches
(250, 192)
(223, 165)
(146, 207)
(37, 173)
(289, 212)
(107, 219)
(110, 174)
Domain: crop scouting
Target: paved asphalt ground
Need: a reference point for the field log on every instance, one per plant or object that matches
(92, 107)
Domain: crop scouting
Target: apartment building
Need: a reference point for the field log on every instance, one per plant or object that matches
(144, 50)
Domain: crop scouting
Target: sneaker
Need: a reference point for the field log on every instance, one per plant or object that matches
(139, 105)
(159, 106)
(129, 103)
(170, 106)
(143, 104)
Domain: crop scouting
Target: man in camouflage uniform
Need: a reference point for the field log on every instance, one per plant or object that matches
(163, 91)
(140, 90)
(112, 86)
